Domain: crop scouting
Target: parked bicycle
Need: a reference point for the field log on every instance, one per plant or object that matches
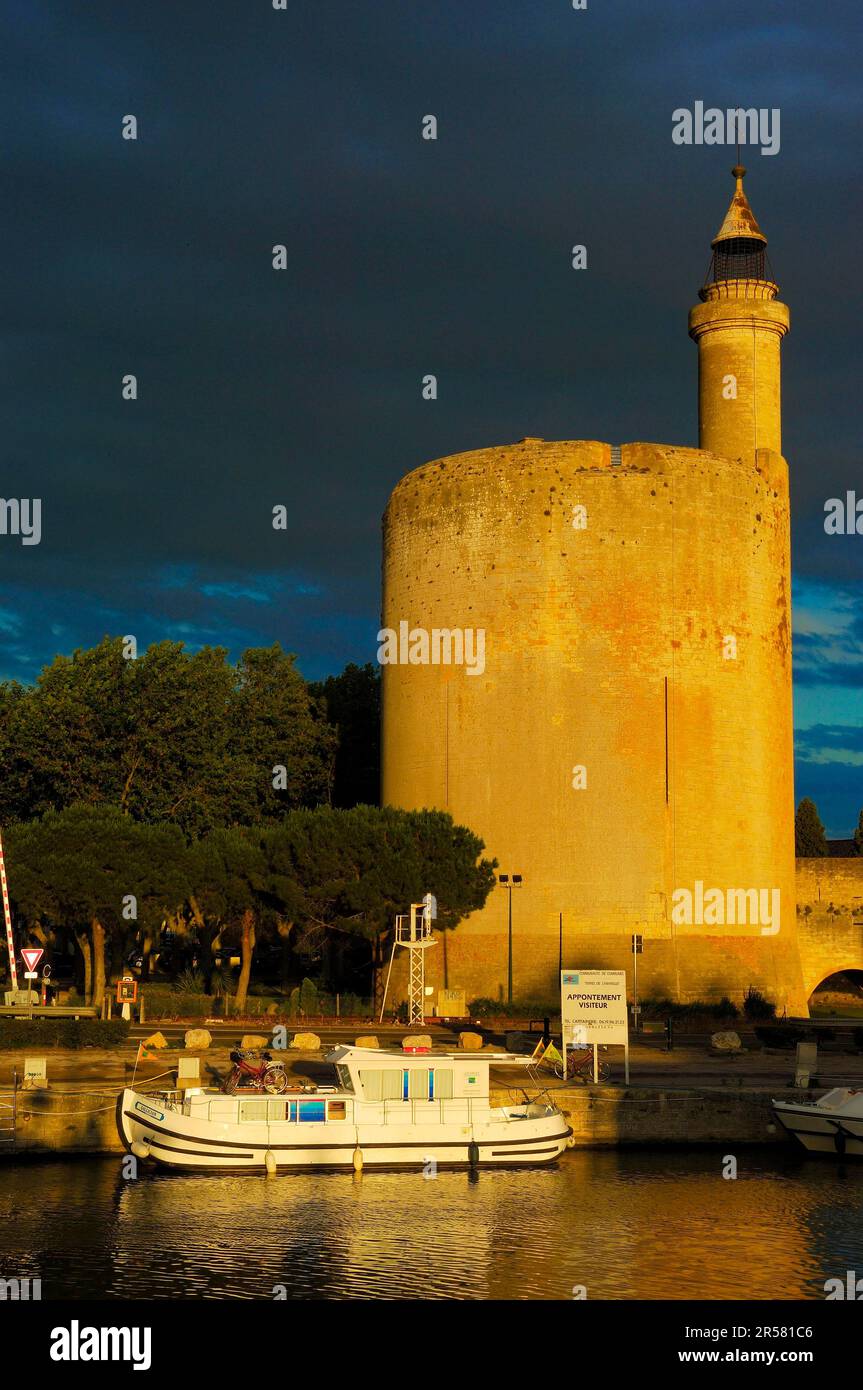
(579, 1066)
(255, 1071)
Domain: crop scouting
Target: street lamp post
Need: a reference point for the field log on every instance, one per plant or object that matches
(509, 882)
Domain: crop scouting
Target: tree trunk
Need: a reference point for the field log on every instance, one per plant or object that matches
(285, 930)
(146, 953)
(247, 948)
(378, 974)
(83, 941)
(205, 944)
(98, 932)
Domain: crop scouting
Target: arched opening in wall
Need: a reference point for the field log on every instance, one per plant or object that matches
(840, 994)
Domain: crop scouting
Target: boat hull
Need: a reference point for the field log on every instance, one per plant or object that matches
(837, 1136)
(171, 1139)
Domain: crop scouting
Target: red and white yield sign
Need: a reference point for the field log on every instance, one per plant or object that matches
(31, 956)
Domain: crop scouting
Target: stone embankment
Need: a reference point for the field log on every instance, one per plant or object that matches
(689, 1096)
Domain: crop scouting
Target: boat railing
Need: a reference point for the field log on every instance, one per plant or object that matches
(444, 1110)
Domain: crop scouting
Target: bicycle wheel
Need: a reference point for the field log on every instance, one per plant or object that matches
(275, 1081)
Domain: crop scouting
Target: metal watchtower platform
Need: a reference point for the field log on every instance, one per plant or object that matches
(414, 933)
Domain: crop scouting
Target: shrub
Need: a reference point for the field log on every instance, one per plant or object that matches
(163, 1001)
(699, 1008)
(520, 1008)
(780, 1035)
(309, 997)
(725, 1008)
(62, 1032)
(189, 982)
(755, 1006)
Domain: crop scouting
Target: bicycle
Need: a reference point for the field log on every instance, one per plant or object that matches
(265, 1075)
(579, 1065)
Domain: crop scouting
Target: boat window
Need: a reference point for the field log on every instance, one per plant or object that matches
(337, 1110)
(418, 1084)
(344, 1076)
(382, 1084)
(372, 1084)
(253, 1110)
(392, 1084)
(276, 1109)
(313, 1110)
(440, 1083)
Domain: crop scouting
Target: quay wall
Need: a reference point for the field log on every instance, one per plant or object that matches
(64, 1122)
(611, 1116)
(59, 1123)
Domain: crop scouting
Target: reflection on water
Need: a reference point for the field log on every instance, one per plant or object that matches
(626, 1225)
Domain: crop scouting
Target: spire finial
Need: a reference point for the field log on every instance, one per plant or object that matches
(740, 221)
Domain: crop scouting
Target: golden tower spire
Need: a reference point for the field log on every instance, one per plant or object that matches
(739, 220)
(738, 328)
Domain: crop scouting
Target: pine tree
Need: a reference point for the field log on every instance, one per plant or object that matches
(809, 837)
(858, 836)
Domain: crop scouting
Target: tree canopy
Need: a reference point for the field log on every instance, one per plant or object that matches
(178, 790)
(353, 704)
(809, 837)
(167, 736)
(315, 870)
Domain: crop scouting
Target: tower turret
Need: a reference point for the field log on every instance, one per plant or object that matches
(738, 327)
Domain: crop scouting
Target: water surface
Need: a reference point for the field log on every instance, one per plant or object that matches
(659, 1224)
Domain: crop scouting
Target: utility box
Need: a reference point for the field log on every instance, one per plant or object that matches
(451, 1003)
(188, 1073)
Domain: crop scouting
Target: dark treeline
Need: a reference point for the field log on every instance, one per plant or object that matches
(183, 737)
(810, 838)
(224, 801)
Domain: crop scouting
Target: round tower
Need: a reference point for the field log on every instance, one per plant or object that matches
(587, 659)
(738, 327)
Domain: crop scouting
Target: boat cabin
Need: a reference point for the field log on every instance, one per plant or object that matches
(375, 1074)
(382, 1086)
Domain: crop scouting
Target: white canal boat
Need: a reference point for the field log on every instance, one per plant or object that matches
(831, 1125)
(389, 1110)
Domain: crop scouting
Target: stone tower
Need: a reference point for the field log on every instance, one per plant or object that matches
(738, 328)
(626, 736)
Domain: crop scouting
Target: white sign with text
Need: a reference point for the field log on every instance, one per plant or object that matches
(593, 1007)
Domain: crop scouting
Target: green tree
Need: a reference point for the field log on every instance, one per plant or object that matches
(858, 835)
(99, 874)
(810, 840)
(167, 736)
(353, 870)
(276, 723)
(353, 705)
(230, 894)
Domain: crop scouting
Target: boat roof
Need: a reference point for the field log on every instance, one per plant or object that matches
(398, 1055)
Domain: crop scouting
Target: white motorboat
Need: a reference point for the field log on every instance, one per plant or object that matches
(831, 1125)
(388, 1110)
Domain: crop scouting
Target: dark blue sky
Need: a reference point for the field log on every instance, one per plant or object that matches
(406, 257)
